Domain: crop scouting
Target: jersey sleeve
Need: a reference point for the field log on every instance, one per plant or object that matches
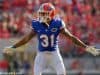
(34, 25)
(62, 24)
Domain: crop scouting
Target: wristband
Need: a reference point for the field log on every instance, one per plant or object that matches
(13, 46)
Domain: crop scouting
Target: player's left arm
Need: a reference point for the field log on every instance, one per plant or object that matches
(73, 38)
(77, 41)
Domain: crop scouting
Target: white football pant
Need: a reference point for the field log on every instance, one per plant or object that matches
(46, 59)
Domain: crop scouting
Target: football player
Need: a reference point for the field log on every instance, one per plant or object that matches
(47, 28)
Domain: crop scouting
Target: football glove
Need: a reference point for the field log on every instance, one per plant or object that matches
(9, 50)
(93, 50)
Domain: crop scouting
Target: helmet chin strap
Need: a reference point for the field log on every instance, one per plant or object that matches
(46, 21)
(47, 24)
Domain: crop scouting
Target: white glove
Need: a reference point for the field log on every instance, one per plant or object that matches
(9, 50)
(93, 50)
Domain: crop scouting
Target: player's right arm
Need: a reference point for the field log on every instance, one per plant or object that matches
(23, 41)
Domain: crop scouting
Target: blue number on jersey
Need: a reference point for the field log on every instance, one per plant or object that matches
(47, 36)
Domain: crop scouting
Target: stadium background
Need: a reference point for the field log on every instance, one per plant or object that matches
(82, 18)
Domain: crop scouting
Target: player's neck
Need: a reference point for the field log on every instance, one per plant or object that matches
(47, 23)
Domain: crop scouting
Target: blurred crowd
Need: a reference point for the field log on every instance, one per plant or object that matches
(82, 18)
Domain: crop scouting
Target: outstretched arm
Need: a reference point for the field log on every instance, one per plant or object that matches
(25, 39)
(74, 39)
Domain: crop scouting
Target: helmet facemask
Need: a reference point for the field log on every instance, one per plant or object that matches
(46, 13)
(44, 17)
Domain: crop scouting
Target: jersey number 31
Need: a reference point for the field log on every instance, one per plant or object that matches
(45, 40)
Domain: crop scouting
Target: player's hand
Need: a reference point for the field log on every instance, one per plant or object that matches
(93, 50)
(9, 50)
